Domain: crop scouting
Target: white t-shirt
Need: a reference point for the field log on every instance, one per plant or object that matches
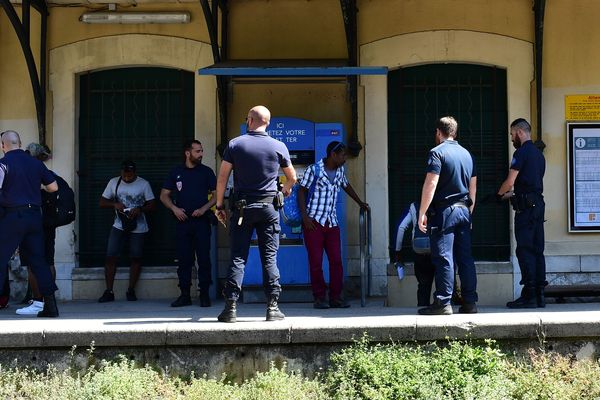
(133, 194)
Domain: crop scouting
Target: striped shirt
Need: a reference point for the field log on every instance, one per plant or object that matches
(321, 205)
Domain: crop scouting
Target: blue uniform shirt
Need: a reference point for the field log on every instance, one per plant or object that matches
(21, 177)
(191, 186)
(256, 158)
(455, 167)
(531, 164)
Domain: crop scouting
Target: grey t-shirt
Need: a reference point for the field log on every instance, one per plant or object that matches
(133, 194)
(256, 158)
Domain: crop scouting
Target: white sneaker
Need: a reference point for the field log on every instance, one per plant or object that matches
(33, 308)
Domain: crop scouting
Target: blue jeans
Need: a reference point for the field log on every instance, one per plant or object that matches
(24, 229)
(450, 236)
(529, 234)
(265, 220)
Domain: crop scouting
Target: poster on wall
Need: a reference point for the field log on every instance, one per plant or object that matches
(582, 107)
(583, 164)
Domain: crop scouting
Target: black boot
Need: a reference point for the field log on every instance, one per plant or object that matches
(273, 312)
(540, 297)
(204, 298)
(229, 313)
(527, 299)
(183, 300)
(50, 309)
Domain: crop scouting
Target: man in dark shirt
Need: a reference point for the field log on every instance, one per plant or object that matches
(526, 175)
(190, 184)
(255, 159)
(21, 177)
(447, 201)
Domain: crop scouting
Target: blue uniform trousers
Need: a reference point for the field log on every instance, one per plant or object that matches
(265, 220)
(193, 239)
(23, 228)
(450, 237)
(529, 234)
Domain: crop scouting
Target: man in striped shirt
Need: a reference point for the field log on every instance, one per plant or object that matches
(320, 224)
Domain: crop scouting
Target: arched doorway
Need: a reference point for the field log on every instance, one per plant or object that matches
(140, 113)
(476, 96)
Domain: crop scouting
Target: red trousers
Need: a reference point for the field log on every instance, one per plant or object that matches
(324, 238)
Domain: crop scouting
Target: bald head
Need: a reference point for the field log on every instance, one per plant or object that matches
(10, 141)
(258, 118)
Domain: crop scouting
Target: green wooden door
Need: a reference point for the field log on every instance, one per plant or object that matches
(140, 113)
(476, 96)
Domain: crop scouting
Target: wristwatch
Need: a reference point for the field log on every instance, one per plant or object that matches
(220, 208)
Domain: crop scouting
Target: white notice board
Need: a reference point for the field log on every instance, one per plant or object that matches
(583, 164)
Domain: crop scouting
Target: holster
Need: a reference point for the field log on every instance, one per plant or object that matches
(522, 202)
(278, 201)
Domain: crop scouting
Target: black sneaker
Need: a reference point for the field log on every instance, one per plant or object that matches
(468, 308)
(320, 304)
(436, 309)
(183, 300)
(107, 296)
(338, 304)
(130, 294)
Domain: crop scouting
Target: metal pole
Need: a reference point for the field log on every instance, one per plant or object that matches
(362, 239)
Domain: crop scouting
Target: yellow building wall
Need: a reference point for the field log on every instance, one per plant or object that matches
(571, 59)
(302, 29)
(17, 106)
(379, 19)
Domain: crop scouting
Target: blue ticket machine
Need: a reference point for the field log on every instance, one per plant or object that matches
(307, 143)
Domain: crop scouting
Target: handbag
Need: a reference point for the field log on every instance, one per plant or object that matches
(128, 224)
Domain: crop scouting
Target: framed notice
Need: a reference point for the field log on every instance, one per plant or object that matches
(583, 162)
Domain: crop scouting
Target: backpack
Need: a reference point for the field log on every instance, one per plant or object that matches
(420, 242)
(58, 208)
(290, 212)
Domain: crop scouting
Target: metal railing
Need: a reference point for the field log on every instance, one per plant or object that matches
(365, 255)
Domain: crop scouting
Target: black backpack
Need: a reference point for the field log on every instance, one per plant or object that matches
(58, 208)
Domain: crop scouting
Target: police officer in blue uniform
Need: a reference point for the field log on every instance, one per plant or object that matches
(255, 159)
(190, 184)
(447, 201)
(526, 176)
(21, 177)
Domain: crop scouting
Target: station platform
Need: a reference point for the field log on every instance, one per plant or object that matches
(191, 337)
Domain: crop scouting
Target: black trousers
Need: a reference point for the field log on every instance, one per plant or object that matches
(529, 235)
(193, 243)
(23, 229)
(264, 219)
(424, 272)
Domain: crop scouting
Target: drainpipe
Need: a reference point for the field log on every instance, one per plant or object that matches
(538, 8)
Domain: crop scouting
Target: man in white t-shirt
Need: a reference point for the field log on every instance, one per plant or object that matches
(131, 197)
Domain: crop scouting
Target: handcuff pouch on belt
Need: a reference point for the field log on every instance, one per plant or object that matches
(522, 202)
(278, 201)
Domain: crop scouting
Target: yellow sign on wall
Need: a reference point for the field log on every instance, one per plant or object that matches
(582, 107)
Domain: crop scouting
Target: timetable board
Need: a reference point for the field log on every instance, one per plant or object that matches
(583, 164)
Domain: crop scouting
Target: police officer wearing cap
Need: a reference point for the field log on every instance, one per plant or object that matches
(21, 177)
(255, 159)
(447, 201)
(523, 187)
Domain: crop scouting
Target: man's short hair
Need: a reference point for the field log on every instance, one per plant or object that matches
(187, 145)
(521, 123)
(336, 147)
(448, 126)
